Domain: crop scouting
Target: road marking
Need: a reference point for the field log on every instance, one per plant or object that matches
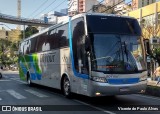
(2, 90)
(100, 109)
(15, 78)
(18, 80)
(15, 94)
(36, 93)
(4, 80)
(150, 97)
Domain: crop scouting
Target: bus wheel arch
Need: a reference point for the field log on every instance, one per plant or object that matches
(65, 86)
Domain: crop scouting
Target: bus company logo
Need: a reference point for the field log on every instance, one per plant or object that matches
(47, 58)
(112, 76)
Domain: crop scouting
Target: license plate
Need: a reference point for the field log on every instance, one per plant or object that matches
(124, 89)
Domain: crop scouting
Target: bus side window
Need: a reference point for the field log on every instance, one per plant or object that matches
(62, 35)
(26, 47)
(33, 45)
(41, 42)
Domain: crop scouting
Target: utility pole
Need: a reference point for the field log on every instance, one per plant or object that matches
(19, 12)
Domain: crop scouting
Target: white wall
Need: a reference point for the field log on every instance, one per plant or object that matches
(72, 5)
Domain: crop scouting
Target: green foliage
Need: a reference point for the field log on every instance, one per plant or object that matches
(29, 31)
(156, 54)
(7, 52)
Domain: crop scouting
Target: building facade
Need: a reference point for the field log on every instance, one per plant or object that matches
(149, 14)
(112, 2)
(80, 6)
(136, 4)
(72, 7)
(11, 35)
(86, 5)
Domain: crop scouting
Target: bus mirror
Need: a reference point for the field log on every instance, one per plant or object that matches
(147, 46)
(87, 44)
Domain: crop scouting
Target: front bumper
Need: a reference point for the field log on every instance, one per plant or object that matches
(106, 89)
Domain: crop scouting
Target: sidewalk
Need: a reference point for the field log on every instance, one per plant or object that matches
(152, 82)
(152, 88)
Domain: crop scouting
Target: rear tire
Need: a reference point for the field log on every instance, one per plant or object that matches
(66, 87)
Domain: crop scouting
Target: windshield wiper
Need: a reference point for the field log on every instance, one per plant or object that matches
(125, 50)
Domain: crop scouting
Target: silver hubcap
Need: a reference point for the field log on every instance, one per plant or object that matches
(66, 86)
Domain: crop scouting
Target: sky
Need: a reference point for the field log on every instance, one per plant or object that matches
(29, 7)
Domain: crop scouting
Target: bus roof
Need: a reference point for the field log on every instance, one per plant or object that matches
(74, 17)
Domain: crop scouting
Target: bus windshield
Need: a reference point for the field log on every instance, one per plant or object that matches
(116, 53)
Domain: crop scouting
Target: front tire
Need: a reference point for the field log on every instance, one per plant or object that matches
(66, 87)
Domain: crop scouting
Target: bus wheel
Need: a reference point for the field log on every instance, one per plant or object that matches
(29, 80)
(66, 87)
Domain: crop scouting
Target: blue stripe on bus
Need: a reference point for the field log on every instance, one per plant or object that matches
(71, 53)
(34, 75)
(123, 81)
(24, 69)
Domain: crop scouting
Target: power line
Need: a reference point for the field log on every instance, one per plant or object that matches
(39, 7)
(97, 4)
(57, 6)
(113, 6)
(45, 8)
(106, 3)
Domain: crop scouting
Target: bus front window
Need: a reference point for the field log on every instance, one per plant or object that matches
(116, 53)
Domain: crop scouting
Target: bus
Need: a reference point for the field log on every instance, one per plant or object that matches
(91, 54)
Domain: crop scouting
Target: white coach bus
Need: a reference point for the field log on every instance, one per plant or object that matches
(89, 54)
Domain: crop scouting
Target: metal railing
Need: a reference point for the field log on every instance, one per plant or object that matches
(22, 21)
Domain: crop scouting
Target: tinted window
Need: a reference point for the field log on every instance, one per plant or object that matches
(116, 25)
(62, 34)
(58, 37)
(41, 45)
(33, 45)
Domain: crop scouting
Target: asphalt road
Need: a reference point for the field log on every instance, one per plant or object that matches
(17, 93)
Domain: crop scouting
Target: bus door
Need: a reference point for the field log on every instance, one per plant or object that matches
(79, 55)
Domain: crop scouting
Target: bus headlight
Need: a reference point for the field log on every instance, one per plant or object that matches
(99, 79)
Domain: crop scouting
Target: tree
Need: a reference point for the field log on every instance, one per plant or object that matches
(150, 30)
(30, 30)
(7, 49)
